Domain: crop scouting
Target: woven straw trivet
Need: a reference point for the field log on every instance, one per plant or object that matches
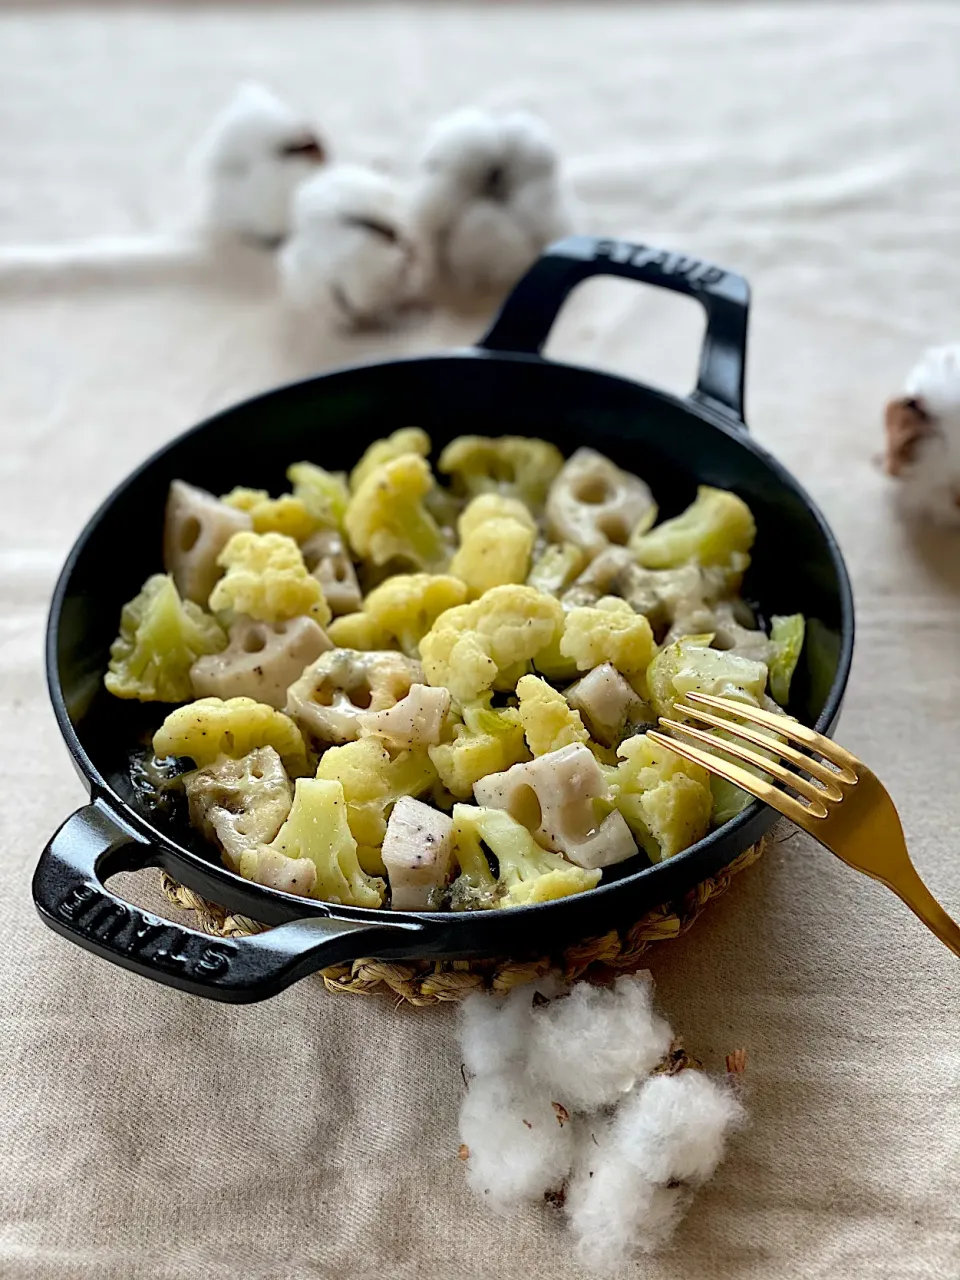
(426, 982)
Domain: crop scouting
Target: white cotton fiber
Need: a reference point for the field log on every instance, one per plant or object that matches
(923, 438)
(674, 1128)
(352, 256)
(518, 1147)
(256, 153)
(490, 197)
(590, 1047)
(614, 1211)
(494, 1032)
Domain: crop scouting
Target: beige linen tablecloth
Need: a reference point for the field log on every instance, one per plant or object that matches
(147, 1134)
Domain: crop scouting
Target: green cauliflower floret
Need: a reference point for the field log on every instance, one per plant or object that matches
(485, 741)
(387, 519)
(786, 637)
(491, 642)
(690, 665)
(511, 465)
(317, 829)
(406, 440)
(528, 873)
(549, 722)
(665, 800)
(556, 567)
(717, 529)
(324, 494)
(161, 636)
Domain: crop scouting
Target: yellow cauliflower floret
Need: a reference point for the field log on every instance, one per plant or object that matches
(549, 722)
(317, 829)
(407, 605)
(324, 494)
(609, 631)
(286, 514)
(388, 520)
(490, 642)
(690, 665)
(406, 440)
(373, 782)
(528, 873)
(717, 529)
(665, 800)
(161, 636)
(511, 465)
(210, 727)
(267, 579)
(485, 741)
(359, 631)
(496, 538)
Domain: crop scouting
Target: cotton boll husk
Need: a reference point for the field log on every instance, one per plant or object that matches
(518, 1150)
(252, 163)
(612, 1208)
(674, 1128)
(351, 255)
(590, 1047)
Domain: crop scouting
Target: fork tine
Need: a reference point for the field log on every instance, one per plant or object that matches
(758, 787)
(816, 770)
(788, 727)
(809, 790)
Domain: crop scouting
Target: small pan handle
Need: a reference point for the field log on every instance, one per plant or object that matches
(527, 316)
(69, 892)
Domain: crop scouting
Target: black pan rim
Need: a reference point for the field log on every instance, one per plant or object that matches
(717, 418)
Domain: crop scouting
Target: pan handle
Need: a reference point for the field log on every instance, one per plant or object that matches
(527, 316)
(70, 894)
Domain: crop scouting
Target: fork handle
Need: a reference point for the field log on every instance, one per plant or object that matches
(911, 890)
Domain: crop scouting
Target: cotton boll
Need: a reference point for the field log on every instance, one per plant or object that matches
(613, 1209)
(923, 438)
(518, 1148)
(493, 1032)
(256, 153)
(590, 1047)
(490, 197)
(675, 1127)
(351, 255)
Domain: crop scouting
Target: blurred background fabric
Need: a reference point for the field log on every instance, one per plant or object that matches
(146, 1135)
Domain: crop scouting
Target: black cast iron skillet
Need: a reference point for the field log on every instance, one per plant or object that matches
(502, 386)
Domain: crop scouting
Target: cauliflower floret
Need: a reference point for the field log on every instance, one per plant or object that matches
(373, 781)
(486, 741)
(527, 872)
(549, 722)
(266, 866)
(511, 465)
(267, 579)
(717, 529)
(609, 631)
(317, 829)
(490, 642)
(239, 804)
(496, 538)
(555, 569)
(406, 440)
(286, 514)
(786, 637)
(324, 493)
(691, 665)
(666, 801)
(387, 519)
(407, 605)
(359, 631)
(210, 727)
(161, 636)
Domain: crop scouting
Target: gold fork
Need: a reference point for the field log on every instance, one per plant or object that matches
(845, 807)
